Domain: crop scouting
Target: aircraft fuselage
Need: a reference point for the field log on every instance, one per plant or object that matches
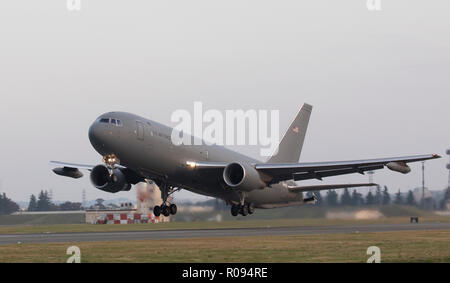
(145, 146)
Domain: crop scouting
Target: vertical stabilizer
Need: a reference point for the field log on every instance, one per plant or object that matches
(291, 144)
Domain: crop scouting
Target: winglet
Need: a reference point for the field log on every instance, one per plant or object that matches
(291, 144)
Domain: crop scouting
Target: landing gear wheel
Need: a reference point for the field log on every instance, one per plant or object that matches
(165, 210)
(166, 190)
(173, 209)
(157, 211)
(251, 208)
(244, 210)
(234, 210)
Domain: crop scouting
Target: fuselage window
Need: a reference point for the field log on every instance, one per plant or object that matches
(118, 123)
(113, 121)
(104, 120)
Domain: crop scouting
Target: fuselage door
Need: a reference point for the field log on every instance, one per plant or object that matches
(140, 130)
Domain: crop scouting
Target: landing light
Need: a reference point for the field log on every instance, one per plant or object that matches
(191, 164)
(110, 159)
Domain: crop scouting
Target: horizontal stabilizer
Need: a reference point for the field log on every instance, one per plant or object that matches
(298, 189)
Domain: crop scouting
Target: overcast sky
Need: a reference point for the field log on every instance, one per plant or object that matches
(379, 81)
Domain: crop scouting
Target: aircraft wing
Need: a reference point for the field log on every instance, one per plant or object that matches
(277, 172)
(72, 165)
(70, 169)
(319, 170)
(298, 189)
(205, 165)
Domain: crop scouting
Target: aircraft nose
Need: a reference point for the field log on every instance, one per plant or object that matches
(95, 136)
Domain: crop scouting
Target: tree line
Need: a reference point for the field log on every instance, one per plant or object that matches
(379, 197)
(7, 206)
(44, 203)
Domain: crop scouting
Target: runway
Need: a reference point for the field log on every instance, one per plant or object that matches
(208, 233)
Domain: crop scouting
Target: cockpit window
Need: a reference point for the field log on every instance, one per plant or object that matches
(113, 121)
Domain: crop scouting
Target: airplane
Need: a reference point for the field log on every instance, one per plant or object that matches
(135, 149)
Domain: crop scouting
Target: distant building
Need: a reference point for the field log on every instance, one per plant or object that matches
(147, 196)
(122, 216)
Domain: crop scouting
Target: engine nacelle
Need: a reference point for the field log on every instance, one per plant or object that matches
(102, 180)
(242, 176)
(399, 167)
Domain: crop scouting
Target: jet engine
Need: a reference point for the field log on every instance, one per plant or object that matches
(243, 177)
(111, 183)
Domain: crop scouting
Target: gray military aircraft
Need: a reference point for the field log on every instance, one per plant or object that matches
(136, 149)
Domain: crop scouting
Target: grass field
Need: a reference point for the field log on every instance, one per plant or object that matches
(26, 229)
(405, 246)
(42, 219)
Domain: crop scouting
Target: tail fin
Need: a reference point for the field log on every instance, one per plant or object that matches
(291, 144)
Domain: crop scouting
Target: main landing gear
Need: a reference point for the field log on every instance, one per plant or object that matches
(243, 208)
(166, 209)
